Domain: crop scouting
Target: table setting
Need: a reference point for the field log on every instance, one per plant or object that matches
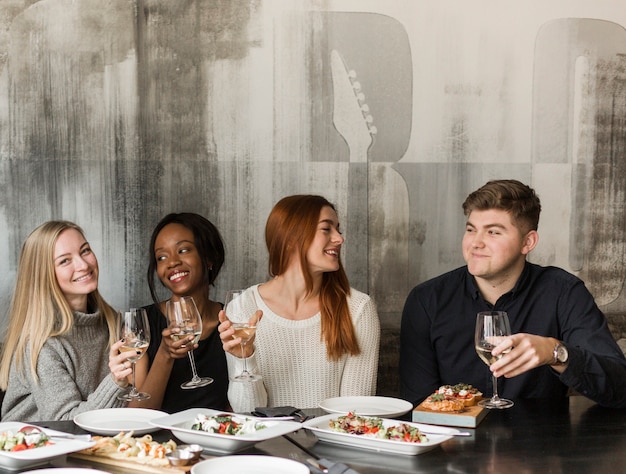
(305, 443)
(218, 448)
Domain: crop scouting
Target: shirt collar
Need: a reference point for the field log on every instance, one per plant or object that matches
(472, 288)
(470, 285)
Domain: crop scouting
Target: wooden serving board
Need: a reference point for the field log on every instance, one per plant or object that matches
(129, 466)
(470, 417)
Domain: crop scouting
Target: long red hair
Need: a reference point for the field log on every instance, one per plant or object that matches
(291, 226)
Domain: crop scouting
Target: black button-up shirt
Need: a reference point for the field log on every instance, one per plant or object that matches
(437, 337)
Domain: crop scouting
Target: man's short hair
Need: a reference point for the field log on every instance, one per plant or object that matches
(509, 195)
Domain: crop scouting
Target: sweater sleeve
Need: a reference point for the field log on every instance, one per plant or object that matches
(244, 397)
(57, 395)
(361, 371)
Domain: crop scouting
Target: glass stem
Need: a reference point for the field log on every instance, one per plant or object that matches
(192, 361)
(133, 390)
(495, 396)
(245, 362)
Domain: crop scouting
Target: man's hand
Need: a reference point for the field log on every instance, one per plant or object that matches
(529, 351)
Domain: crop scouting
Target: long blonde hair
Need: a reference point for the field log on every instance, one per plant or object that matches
(39, 309)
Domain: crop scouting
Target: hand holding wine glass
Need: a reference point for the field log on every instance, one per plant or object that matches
(491, 328)
(184, 315)
(135, 331)
(244, 321)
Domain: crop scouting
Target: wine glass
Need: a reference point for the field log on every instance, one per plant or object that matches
(135, 331)
(244, 320)
(491, 328)
(184, 314)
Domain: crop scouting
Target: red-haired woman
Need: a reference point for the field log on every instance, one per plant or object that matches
(318, 337)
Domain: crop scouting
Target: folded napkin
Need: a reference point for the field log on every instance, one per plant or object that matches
(331, 467)
(271, 412)
(275, 411)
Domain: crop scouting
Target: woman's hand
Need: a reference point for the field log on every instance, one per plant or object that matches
(119, 365)
(227, 332)
(231, 344)
(175, 349)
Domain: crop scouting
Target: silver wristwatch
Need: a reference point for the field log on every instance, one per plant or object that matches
(560, 354)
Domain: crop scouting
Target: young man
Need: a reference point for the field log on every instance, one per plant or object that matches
(560, 337)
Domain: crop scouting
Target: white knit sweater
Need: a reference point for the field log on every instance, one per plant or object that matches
(291, 358)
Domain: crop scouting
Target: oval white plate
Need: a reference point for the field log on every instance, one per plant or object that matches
(320, 427)
(367, 406)
(180, 425)
(249, 464)
(110, 421)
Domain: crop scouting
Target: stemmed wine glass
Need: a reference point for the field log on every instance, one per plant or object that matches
(244, 321)
(135, 331)
(184, 314)
(491, 328)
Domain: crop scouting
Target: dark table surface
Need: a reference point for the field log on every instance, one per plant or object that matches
(573, 436)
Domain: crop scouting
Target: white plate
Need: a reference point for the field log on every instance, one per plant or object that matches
(65, 470)
(367, 406)
(110, 421)
(36, 456)
(249, 464)
(180, 425)
(320, 427)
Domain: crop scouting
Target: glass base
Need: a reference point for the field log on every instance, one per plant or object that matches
(246, 377)
(130, 396)
(197, 383)
(497, 403)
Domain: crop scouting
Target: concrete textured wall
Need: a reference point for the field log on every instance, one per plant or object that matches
(114, 113)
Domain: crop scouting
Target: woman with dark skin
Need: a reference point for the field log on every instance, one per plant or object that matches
(187, 254)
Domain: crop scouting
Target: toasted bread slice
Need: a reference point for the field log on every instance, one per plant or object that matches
(437, 402)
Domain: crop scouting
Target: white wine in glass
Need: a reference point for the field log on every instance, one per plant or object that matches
(491, 328)
(135, 331)
(244, 320)
(184, 314)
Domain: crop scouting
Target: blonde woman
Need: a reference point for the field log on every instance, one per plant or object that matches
(318, 337)
(60, 355)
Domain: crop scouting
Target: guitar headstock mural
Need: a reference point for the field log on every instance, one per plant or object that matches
(351, 115)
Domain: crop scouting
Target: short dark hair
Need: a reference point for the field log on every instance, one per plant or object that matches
(207, 240)
(509, 195)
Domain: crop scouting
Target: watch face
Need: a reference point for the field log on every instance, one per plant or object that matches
(562, 354)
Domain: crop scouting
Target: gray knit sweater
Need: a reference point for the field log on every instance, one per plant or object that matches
(74, 376)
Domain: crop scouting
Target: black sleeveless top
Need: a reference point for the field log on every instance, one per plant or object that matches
(210, 361)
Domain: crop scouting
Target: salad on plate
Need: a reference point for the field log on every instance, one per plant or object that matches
(23, 440)
(226, 424)
(374, 427)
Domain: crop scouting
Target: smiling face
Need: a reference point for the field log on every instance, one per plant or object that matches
(179, 265)
(324, 253)
(495, 250)
(76, 268)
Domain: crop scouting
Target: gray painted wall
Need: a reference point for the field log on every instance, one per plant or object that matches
(114, 113)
